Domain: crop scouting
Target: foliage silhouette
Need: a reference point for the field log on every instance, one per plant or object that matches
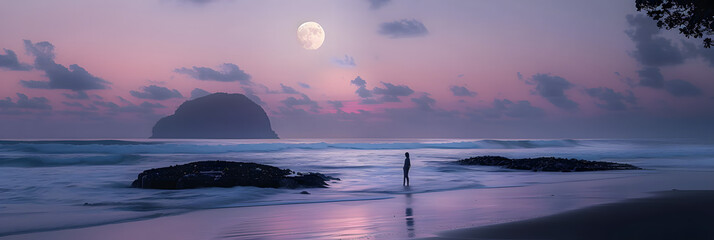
(693, 18)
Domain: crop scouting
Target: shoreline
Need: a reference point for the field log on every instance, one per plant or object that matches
(401, 217)
(674, 214)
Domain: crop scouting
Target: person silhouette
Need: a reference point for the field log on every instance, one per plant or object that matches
(407, 165)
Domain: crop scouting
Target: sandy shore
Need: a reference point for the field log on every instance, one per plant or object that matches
(504, 212)
(668, 215)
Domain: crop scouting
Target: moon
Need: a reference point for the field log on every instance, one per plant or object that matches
(310, 35)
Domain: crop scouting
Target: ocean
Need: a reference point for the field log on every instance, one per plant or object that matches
(62, 184)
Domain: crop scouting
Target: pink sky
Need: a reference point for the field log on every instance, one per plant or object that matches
(480, 45)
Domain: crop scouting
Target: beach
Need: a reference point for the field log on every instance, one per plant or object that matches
(667, 215)
(363, 119)
(584, 205)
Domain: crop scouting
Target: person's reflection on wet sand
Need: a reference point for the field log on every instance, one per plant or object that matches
(407, 165)
(409, 216)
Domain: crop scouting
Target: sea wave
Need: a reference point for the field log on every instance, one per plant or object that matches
(72, 183)
(65, 160)
(116, 152)
(151, 147)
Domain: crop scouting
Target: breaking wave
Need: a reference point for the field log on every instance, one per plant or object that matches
(152, 147)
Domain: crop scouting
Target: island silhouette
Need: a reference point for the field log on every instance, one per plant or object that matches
(216, 116)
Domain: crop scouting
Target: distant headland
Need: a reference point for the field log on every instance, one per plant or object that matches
(216, 116)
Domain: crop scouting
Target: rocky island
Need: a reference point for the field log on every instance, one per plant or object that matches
(216, 116)
(227, 174)
(546, 164)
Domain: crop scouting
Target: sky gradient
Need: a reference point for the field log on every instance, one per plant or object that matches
(466, 69)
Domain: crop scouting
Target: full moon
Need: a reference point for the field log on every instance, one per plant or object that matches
(310, 35)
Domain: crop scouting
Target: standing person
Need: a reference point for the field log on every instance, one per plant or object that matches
(407, 165)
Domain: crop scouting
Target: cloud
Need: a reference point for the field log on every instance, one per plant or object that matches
(391, 92)
(73, 104)
(42, 51)
(370, 101)
(123, 100)
(403, 29)
(424, 103)
(87, 108)
(338, 105)
(651, 77)
(24, 102)
(73, 78)
(292, 102)
(508, 108)
(502, 118)
(154, 92)
(708, 55)
(362, 91)
(626, 80)
(145, 108)
(250, 93)
(228, 72)
(288, 90)
(152, 105)
(681, 88)
(348, 61)
(197, 93)
(552, 88)
(650, 49)
(611, 100)
(303, 85)
(519, 109)
(358, 81)
(9, 61)
(76, 95)
(377, 4)
(106, 104)
(654, 51)
(461, 91)
(405, 121)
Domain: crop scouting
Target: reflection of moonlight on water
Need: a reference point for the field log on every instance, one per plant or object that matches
(310, 35)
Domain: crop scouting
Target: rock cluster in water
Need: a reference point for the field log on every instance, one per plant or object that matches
(546, 164)
(227, 174)
(216, 116)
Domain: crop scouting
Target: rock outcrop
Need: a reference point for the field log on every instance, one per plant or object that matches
(216, 116)
(546, 164)
(227, 174)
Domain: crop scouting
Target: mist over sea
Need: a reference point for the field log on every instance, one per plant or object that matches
(58, 184)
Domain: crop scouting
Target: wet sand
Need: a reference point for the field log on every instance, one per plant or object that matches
(668, 215)
(436, 214)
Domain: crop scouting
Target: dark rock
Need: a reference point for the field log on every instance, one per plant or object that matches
(306, 179)
(304, 192)
(216, 116)
(547, 164)
(226, 174)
